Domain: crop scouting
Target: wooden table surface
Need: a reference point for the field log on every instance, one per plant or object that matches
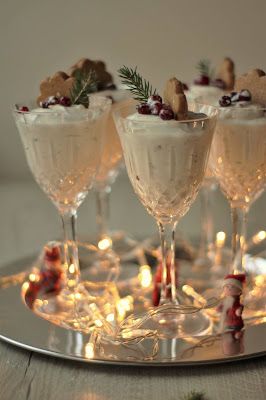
(26, 375)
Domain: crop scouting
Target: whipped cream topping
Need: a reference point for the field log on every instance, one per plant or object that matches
(242, 111)
(50, 115)
(203, 90)
(136, 117)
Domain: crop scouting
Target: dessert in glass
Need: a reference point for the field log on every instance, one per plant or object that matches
(238, 155)
(210, 82)
(111, 159)
(63, 144)
(166, 150)
(207, 88)
(111, 163)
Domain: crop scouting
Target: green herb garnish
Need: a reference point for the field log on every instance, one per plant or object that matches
(85, 83)
(193, 395)
(204, 67)
(138, 86)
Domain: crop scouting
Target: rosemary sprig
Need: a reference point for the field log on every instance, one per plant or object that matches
(204, 67)
(85, 83)
(193, 395)
(138, 86)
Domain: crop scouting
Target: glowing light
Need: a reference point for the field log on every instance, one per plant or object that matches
(220, 239)
(33, 277)
(98, 323)
(89, 350)
(38, 303)
(260, 280)
(124, 305)
(77, 296)
(25, 286)
(105, 243)
(71, 283)
(191, 292)
(259, 237)
(72, 269)
(220, 160)
(145, 276)
(110, 317)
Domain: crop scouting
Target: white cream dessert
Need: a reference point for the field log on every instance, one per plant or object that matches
(210, 85)
(165, 145)
(63, 150)
(196, 91)
(238, 154)
(112, 151)
(166, 161)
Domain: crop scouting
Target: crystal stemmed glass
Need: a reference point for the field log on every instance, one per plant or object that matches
(238, 161)
(63, 149)
(166, 162)
(110, 165)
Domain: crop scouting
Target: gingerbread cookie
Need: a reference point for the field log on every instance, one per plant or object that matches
(255, 82)
(226, 73)
(103, 77)
(59, 84)
(174, 96)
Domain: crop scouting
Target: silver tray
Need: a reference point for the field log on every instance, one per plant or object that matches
(21, 327)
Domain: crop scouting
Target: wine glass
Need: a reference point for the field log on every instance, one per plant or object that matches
(63, 149)
(166, 162)
(110, 166)
(238, 161)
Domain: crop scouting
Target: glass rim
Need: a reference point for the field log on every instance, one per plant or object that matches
(45, 111)
(170, 121)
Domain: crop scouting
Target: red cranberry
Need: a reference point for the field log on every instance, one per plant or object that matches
(219, 83)
(153, 98)
(244, 95)
(23, 109)
(53, 100)
(166, 114)
(166, 107)
(44, 104)
(203, 80)
(65, 101)
(50, 101)
(225, 101)
(143, 108)
(156, 108)
(234, 97)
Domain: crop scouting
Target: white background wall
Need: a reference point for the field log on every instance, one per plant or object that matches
(162, 37)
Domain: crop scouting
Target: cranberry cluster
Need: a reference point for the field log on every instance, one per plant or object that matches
(54, 100)
(155, 106)
(234, 97)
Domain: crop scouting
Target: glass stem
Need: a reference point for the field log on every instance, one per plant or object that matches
(71, 259)
(207, 234)
(168, 278)
(102, 210)
(239, 230)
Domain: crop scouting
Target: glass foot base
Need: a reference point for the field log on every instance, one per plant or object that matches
(181, 326)
(120, 242)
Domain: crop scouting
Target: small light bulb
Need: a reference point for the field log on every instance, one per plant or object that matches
(105, 244)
